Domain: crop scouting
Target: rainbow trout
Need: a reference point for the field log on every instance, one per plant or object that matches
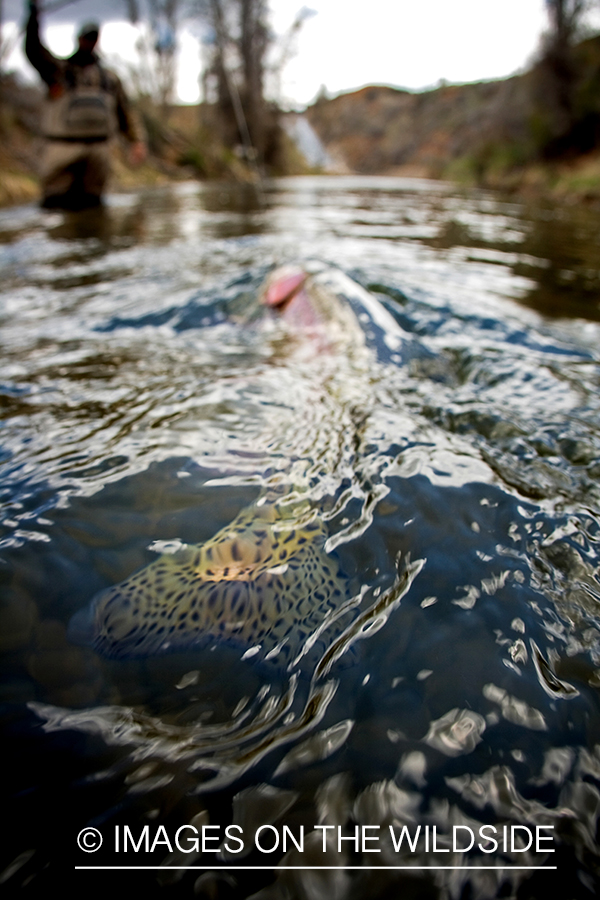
(262, 583)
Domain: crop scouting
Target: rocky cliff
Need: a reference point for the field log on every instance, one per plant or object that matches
(482, 130)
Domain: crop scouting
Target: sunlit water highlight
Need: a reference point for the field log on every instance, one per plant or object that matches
(147, 399)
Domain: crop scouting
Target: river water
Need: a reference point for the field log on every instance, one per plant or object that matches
(147, 400)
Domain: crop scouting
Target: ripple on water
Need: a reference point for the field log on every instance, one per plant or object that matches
(147, 400)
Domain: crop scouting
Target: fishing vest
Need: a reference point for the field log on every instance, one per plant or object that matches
(82, 106)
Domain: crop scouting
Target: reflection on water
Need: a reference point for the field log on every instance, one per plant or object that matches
(452, 477)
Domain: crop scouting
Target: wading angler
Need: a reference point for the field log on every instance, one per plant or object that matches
(85, 108)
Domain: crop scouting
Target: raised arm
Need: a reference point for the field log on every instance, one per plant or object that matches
(38, 55)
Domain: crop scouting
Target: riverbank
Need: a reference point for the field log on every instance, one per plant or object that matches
(182, 144)
(19, 184)
(572, 181)
(475, 135)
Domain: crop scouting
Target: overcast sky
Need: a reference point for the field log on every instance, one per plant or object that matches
(349, 43)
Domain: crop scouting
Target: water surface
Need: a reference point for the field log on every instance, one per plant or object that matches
(147, 400)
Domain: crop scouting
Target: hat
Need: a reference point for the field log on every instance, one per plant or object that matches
(89, 29)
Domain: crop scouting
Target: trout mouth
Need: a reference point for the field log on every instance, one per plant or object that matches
(283, 285)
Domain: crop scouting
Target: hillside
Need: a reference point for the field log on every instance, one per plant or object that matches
(489, 132)
(381, 129)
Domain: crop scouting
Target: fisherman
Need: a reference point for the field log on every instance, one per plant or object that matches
(85, 107)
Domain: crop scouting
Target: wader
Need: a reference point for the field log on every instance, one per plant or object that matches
(73, 175)
(78, 123)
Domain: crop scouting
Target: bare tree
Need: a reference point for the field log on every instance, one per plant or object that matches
(165, 17)
(253, 42)
(157, 47)
(565, 17)
(235, 71)
(558, 72)
(286, 49)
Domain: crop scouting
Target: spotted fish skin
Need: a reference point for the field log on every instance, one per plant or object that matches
(261, 582)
